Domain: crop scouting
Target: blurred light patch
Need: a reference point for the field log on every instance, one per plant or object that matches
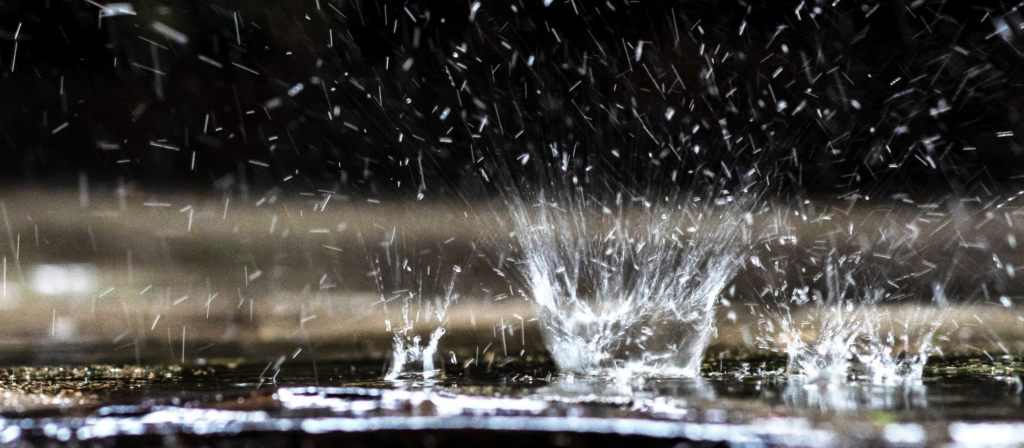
(908, 434)
(62, 279)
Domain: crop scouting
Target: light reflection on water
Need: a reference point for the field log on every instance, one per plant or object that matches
(854, 396)
(770, 410)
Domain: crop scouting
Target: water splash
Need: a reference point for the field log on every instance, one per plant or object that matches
(411, 290)
(898, 348)
(412, 361)
(631, 291)
(839, 325)
(825, 354)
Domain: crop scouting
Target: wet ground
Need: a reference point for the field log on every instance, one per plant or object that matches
(746, 402)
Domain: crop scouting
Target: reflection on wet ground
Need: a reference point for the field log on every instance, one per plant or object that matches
(294, 403)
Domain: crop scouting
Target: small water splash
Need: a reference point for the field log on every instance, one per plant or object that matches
(826, 354)
(898, 347)
(413, 291)
(815, 323)
(413, 361)
(410, 359)
(839, 325)
(632, 291)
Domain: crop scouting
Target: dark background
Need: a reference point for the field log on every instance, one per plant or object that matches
(880, 98)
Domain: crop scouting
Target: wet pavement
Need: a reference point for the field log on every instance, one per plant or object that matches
(746, 402)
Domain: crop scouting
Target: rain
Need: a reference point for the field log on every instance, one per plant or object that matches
(689, 222)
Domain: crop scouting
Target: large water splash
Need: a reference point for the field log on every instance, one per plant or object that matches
(629, 291)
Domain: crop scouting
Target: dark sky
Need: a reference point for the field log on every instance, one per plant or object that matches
(812, 98)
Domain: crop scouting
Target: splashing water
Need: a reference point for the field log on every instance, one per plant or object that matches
(826, 355)
(898, 348)
(418, 305)
(848, 330)
(841, 319)
(412, 361)
(823, 344)
(632, 291)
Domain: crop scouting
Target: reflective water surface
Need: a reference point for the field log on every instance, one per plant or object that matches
(293, 403)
